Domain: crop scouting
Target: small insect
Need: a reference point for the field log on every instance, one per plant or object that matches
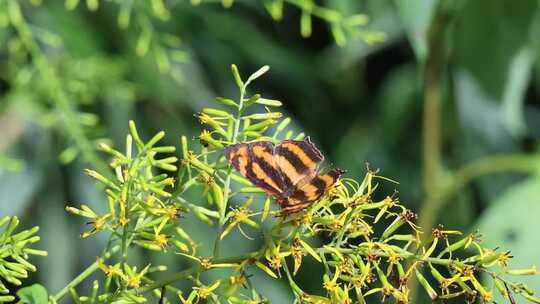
(287, 171)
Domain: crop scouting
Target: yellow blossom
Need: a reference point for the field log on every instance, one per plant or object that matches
(205, 291)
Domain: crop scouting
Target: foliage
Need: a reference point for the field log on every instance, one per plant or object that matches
(143, 210)
(462, 73)
(15, 252)
(39, 64)
(33, 294)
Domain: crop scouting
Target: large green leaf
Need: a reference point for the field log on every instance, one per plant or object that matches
(483, 130)
(33, 294)
(416, 16)
(487, 36)
(511, 223)
(513, 98)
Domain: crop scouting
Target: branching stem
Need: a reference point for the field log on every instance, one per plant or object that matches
(227, 184)
(83, 275)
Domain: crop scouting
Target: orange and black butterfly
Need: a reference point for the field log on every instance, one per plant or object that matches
(287, 171)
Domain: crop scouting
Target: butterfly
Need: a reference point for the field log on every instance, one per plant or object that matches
(288, 171)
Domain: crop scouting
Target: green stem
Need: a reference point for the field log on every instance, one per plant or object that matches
(437, 190)
(431, 126)
(195, 269)
(125, 243)
(297, 290)
(83, 275)
(227, 184)
(404, 254)
(488, 165)
(170, 279)
(431, 134)
(125, 228)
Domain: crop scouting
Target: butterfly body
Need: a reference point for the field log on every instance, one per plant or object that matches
(287, 171)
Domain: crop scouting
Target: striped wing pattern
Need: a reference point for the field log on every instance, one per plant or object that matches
(255, 161)
(310, 192)
(298, 162)
(287, 171)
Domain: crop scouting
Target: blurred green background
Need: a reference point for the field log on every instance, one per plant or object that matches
(448, 103)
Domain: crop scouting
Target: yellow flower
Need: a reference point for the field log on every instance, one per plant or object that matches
(311, 299)
(205, 291)
(161, 240)
(297, 254)
(123, 221)
(98, 224)
(207, 119)
(206, 140)
(504, 258)
(133, 278)
(240, 215)
(240, 279)
(275, 256)
(109, 270)
(207, 263)
(331, 285)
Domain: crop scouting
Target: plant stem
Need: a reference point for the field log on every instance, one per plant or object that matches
(125, 228)
(431, 128)
(404, 254)
(437, 190)
(431, 124)
(488, 165)
(195, 269)
(227, 184)
(125, 243)
(297, 290)
(83, 275)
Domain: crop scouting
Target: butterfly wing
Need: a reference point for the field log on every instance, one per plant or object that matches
(287, 171)
(297, 161)
(310, 192)
(255, 161)
(238, 156)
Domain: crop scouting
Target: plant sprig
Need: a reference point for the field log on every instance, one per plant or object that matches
(15, 251)
(339, 232)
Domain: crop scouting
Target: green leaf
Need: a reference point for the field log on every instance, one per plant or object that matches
(519, 76)
(479, 114)
(484, 131)
(497, 28)
(511, 222)
(33, 294)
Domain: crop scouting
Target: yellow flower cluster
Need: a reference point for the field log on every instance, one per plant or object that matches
(367, 246)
